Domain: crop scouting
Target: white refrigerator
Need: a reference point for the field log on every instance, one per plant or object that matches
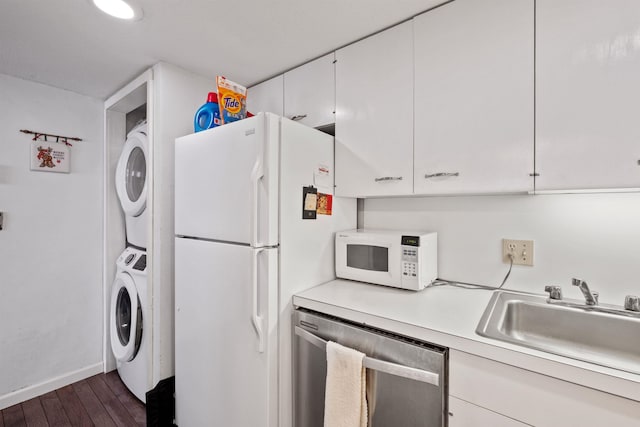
(242, 250)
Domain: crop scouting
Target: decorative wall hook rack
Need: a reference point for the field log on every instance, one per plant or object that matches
(59, 138)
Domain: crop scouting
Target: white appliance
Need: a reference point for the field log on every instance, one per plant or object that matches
(402, 259)
(242, 250)
(131, 185)
(130, 313)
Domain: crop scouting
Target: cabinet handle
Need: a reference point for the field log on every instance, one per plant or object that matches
(388, 178)
(632, 303)
(298, 117)
(441, 175)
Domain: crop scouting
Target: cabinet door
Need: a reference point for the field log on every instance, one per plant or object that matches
(587, 92)
(267, 96)
(474, 105)
(533, 398)
(309, 92)
(465, 414)
(374, 115)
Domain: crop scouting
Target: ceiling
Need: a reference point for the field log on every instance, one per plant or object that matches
(71, 45)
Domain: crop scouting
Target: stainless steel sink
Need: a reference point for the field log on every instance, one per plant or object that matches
(579, 332)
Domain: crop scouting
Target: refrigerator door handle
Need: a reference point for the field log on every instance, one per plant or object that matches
(255, 317)
(256, 175)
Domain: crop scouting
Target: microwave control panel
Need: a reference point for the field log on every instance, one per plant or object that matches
(410, 247)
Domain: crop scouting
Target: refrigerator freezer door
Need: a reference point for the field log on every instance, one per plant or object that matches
(225, 370)
(226, 182)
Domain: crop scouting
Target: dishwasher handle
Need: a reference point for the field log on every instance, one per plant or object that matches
(376, 364)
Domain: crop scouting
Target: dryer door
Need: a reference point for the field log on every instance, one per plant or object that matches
(131, 173)
(126, 318)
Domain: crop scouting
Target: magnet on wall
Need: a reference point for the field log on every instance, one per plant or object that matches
(325, 204)
(309, 202)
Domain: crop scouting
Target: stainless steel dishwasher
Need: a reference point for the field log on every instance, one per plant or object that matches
(406, 379)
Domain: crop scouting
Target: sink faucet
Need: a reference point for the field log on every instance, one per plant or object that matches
(590, 297)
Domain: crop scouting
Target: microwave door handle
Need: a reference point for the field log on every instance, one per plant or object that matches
(376, 364)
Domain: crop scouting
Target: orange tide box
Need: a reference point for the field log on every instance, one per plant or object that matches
(232, 100)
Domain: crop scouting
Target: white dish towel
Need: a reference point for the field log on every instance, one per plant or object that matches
(345, 400)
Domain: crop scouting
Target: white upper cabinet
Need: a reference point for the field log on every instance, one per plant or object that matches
(267, 96)
(587, 94)
(474, 97)
(374, 115)
(309, 92)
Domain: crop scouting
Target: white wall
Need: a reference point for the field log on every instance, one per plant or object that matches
(594, 237)
(51, 244)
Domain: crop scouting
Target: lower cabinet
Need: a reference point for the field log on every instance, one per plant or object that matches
(482, 390)
(465, 414)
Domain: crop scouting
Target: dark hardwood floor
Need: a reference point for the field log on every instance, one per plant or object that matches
(102, 400)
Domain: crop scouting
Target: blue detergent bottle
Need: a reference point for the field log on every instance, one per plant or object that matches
(207, 116)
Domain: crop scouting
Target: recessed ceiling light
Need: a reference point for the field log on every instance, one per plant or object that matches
(120, 9)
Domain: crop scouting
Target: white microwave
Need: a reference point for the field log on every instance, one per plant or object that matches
(407, 260)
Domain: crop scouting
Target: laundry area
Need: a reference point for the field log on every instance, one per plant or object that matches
(319, 214)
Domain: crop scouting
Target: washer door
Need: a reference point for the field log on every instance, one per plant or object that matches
(131, 173)
(126, 318)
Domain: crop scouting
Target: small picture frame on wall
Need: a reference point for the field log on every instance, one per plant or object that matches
(50, 157)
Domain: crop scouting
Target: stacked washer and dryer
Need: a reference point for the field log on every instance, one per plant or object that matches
(130, 310)
(139, 307)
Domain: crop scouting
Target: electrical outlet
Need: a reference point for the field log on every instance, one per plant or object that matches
(522, 251)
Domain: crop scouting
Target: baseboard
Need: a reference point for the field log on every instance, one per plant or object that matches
(30, 392)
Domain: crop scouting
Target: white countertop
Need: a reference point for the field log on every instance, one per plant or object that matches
(448, 316)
